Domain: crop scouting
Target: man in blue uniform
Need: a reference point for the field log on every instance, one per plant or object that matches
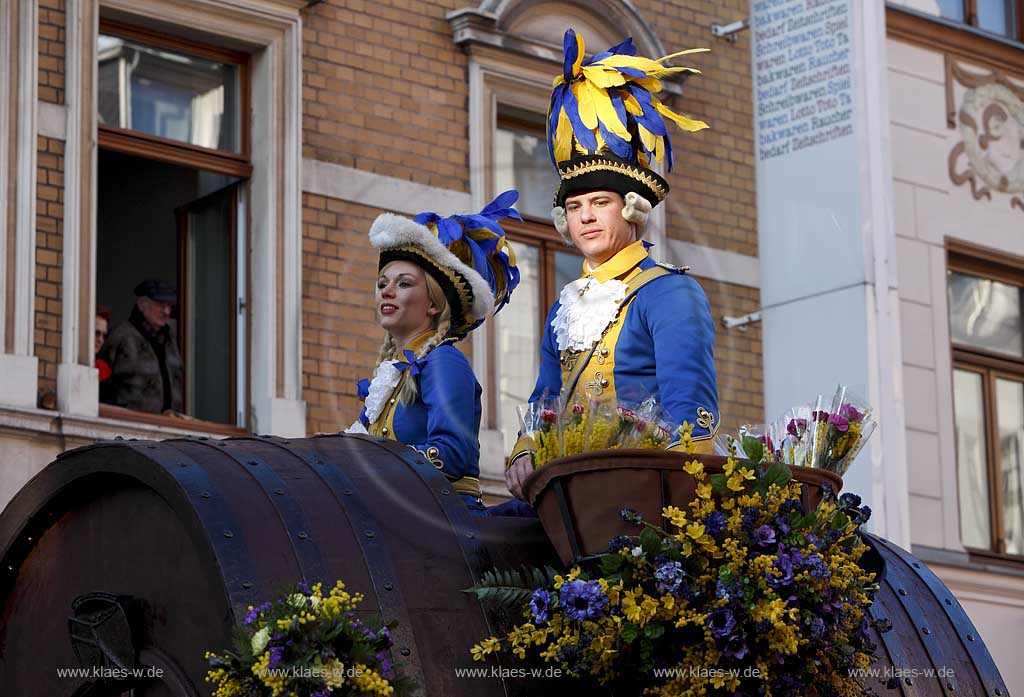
(628, 327)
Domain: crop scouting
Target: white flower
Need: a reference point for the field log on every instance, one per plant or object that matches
(297, 600)
(637, 551)
(260, 640)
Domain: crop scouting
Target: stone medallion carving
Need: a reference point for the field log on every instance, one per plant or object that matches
(990, 119)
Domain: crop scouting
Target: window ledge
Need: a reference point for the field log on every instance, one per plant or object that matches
(965, 560)
(42, 421)
(956, 38)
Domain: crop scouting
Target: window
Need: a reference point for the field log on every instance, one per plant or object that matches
(545, 263)
(172, 176)
(985, 306)
(1002, 17)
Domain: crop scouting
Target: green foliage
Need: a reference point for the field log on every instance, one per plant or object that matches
(512, 586)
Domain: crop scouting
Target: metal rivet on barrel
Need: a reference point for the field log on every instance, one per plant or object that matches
(446, 492)
(228, 533)
(254, 462)
(318, 462)
(970, 637)
(902, 591)
(404, 651)
(925, 630)
(347, 492)
(205, 494)
(204, 438)
(246, 585)
(303, 536)
(950, 687)
(917, 565)
(470, 535)
(182, 464)
(909, 681)
(949, 601)
(389, 586)
(370, 534)
(279, 491)
(999, 693)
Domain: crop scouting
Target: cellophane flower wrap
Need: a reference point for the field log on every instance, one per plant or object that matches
(741, 593)
(828, 434)
(307, 645)
(573, 425)
(540, 420)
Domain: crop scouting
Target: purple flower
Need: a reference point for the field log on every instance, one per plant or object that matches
(251, 616)
(817, 628)
(796, 427)
(749, 518)
(669, 576)
(727, 589)
(539, 605)
(385, 665)
(326, 692)
(849, 501)
(850, 413)
(764, 536)
(782, 523)
(735, 648)
(817, 567)
(275, 656)
(631, 515)
(841, 423)
(721, 622)
(304, 588)
(582, 600)
(385, 634)
(714, 523)
(785, 565)
(619, 543)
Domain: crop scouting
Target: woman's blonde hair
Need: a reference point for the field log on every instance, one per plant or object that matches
(442, 325)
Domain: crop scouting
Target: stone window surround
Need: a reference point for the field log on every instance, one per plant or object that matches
(271, 31)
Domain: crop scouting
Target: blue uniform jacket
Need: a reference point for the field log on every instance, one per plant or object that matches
(665, 347)
(443, 422)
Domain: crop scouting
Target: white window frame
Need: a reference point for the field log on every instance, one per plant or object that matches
(271, 31)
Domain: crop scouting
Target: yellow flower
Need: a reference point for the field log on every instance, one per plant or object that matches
(735, 482)
(704, 490)
(695, 530)
(676, 516)
(694, 467)
(485, 648)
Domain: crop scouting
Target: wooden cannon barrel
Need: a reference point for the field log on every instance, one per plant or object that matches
(155, 550)
(179, 537)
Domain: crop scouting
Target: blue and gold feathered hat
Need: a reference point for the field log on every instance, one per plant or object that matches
(468, 255)
(605, 125)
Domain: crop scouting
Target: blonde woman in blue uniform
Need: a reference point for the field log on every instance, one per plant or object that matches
(628, 326)
(439, 278)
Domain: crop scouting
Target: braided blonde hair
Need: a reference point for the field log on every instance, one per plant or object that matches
(389, 351)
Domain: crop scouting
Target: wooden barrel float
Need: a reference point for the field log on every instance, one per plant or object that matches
(154, 550)
(175, 539)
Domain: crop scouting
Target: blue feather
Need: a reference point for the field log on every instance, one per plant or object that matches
(448, 231)
(583, 134)
(557, 98)
(622, 48)
(622, 148)
(571, 50)
(632, 72)
(426, 218)
(503, 200)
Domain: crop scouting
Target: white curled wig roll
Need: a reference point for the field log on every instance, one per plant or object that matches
(636, 210)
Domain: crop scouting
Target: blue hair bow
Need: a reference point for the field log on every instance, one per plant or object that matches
(410, 363)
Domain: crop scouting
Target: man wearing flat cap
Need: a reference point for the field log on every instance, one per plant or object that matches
(146, 367)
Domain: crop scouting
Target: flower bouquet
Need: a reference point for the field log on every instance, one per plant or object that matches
(827, 438)
(307, 645)
(740, 593)
(540, 420)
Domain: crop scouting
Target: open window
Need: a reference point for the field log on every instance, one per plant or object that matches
(172, 176)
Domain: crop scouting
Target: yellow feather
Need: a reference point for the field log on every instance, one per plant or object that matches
(563, 137)
(659, 150)
(601, 145)
(608, 116)
(599, 77)
(683, 53)
(684, 122)
(650, 84)
(648, 138)
(585, 99)
(581, 53)
(557, 81)
(632, 106)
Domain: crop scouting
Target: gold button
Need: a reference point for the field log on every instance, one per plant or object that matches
(391, 401)
(384, 430)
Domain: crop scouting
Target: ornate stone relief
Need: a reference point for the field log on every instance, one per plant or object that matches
(987, 107)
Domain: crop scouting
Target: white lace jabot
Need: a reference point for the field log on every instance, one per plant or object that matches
(582, 318)
(385, 378)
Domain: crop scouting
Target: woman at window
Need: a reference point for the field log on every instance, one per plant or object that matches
(439, 278)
